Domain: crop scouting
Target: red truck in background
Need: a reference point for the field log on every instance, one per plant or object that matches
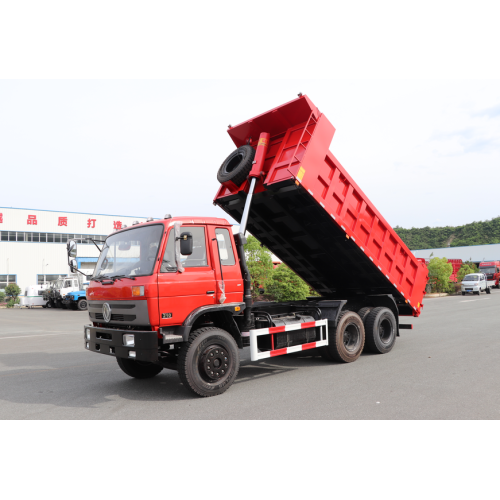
(492, 271)
(175, 293)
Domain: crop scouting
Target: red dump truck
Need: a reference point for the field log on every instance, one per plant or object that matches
(175, 293)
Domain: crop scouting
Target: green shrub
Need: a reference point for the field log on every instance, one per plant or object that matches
(13, 301)
(285, 285)
(439, 274)
(2, 296)
(12, 291)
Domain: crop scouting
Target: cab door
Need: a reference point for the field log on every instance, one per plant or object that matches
(181, 293)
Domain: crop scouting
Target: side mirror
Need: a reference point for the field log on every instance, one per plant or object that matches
(71, 248)
(186, 243)
(73, 265)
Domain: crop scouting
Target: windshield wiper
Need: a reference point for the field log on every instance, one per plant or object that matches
(101, 277)
(120, 276)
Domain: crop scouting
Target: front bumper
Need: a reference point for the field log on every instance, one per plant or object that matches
(110, 341)
(470, 288)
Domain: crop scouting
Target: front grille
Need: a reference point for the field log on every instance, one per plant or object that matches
(117, 317)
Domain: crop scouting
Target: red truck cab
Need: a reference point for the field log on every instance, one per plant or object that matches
(145, 286)
(492, 271)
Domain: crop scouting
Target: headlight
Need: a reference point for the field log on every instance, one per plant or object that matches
(87, 333)
(137, 291)
(128, 340)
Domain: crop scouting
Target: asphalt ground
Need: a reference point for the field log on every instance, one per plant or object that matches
(446, 368)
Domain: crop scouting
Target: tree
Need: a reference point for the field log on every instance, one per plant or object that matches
(466, 268)
(2, 296)
(439, 274)
(286, 285)
(260, 265)
(12, 291)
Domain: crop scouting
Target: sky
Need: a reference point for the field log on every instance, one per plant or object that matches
(426, 152)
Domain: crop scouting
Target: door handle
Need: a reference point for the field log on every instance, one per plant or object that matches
(210, 292)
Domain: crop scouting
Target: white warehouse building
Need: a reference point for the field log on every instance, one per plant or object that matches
(33, 243)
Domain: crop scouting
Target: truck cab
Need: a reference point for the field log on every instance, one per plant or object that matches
(142, 271)
(492, 271)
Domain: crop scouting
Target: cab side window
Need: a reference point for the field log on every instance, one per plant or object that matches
(199, 256)
(225, 247)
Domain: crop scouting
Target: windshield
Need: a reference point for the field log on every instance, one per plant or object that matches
(471, 277)
(130, 253)
(487, 270)
(59, 284)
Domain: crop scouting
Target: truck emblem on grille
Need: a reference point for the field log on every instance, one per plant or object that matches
(106, 312)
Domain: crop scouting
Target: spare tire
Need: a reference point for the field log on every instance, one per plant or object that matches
(237, 165)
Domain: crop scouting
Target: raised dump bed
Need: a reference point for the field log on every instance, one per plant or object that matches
(311, 214)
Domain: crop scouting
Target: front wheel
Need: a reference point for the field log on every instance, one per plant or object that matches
(138, 369)
(49, 304)
(463, 293)
(82, 305)
(208, 362)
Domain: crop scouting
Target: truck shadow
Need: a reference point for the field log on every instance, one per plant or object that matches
(69, 380)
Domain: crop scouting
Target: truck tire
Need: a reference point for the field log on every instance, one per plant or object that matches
(237, 165)
(463, 293)
(138, 369)
(488, 290)
(381, 329)
(208, 362)
(82, 305)
(49, 304)
(346, 342)
(363, 313)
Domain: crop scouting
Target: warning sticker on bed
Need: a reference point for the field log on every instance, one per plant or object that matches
(262, 142)
(301, 173)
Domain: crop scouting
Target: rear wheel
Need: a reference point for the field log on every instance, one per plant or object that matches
(381, 330)
(463, 293)
(138, 369)
(208, 362)
(363, 313)
(346, 342)
(488, 290)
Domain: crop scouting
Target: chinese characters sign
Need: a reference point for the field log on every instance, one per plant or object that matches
(32, 220)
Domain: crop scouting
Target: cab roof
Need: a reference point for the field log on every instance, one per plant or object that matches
(216, 221)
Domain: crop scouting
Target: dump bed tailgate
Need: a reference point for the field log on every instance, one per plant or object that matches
(311, 214)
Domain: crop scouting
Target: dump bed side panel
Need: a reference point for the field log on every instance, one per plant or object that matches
(310, 213)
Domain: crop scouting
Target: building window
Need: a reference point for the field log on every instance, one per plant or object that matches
(49, 237)
(49, 277)
(4, 281)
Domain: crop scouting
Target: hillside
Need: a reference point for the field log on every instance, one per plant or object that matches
(475, 233)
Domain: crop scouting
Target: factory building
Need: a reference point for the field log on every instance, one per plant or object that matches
(33, 242)
(473, 253)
